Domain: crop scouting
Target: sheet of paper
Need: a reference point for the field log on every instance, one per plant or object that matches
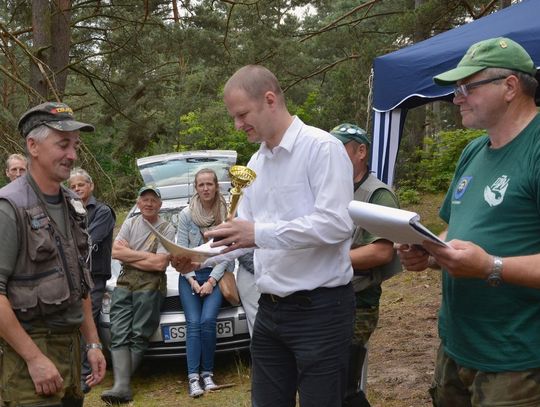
(197, 254)
(396, 225)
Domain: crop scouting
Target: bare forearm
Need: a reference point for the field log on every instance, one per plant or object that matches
(372, 255)
(152, 262)
(522, 270)
(127, 255)
(88, 327)
(14, 334)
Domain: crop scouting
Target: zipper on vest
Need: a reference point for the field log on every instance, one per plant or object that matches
(36, 276)
(64, 262)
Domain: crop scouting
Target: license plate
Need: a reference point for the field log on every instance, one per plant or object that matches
(177, 332)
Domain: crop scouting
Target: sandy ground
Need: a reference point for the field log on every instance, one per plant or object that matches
(402, 349)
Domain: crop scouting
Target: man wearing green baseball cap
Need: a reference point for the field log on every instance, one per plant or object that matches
(373, 258)
(490, 312)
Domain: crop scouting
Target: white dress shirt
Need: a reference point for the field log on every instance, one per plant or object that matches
(299, 205)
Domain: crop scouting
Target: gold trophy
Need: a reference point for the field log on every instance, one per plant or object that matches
(241, 177)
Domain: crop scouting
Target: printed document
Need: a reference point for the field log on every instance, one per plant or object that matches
(396, 225)
(197, 254)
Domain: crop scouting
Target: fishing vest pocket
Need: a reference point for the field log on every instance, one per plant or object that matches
(40, 294)
(41, 246)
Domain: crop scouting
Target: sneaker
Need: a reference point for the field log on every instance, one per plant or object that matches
(208, 383)
(195, 389)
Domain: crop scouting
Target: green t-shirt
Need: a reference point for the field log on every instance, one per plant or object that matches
(494, 201)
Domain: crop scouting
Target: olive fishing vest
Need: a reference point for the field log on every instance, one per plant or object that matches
(365, 278)
(51, 272)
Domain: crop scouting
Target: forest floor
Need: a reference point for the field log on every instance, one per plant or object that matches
(402, 349)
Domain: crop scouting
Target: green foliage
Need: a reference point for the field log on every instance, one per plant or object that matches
(408, 196)
(437, 161)
(152, 84)
(309, 110)
(212, 129)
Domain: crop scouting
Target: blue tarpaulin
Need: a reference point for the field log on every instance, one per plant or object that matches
(403, 79)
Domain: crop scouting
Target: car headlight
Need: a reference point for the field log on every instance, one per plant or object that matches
(106, 303)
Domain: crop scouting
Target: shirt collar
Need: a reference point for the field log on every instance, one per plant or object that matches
(287, 141)
(91, 201)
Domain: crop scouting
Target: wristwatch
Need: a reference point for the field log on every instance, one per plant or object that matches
(494, 278)
(94, 346)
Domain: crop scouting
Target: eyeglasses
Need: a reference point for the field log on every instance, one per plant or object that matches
(463, 90)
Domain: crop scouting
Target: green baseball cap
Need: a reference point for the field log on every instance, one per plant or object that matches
(493, 53)
(149, 188)
(56, 115)
(346, 132)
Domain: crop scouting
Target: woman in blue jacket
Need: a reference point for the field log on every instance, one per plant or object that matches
(198, 290)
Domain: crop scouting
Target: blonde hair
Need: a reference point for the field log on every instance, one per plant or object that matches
(15, 156)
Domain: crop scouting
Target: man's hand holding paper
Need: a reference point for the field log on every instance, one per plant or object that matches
(461, 259)
(235, 234)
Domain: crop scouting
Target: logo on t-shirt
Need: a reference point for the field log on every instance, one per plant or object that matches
(494, 195)
(462, 187)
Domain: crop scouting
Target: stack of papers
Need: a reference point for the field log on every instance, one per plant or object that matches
(396, 225)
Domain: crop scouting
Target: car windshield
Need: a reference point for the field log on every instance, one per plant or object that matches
(178, 171)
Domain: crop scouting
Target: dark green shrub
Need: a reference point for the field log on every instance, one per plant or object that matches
(434, 170)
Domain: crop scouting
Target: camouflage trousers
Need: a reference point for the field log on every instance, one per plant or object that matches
(454, 386)
(365, 322)
(16, 385)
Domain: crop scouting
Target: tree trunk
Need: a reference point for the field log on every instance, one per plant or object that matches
(41, 43)
(61, 42)
(52, 39)
(176, 15)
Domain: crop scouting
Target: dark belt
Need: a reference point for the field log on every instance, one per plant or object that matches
(304, 297)
(295, 298)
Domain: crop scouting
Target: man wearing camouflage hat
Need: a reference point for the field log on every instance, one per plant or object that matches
(44, 276)
(373, 259)
(489, 321)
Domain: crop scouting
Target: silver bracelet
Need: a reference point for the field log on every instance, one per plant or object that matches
(94, 346)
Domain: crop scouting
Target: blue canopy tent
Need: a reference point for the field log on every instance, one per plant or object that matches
(403, 79)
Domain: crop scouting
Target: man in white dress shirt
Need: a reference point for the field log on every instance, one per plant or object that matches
(295, 216)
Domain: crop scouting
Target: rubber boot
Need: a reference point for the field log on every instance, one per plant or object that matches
(354, 397)
(71, 402)
(121, 390)
(136, 359)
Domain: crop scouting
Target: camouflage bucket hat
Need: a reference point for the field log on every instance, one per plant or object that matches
(57, 116)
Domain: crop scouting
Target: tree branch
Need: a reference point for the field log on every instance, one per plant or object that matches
(321, 70)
